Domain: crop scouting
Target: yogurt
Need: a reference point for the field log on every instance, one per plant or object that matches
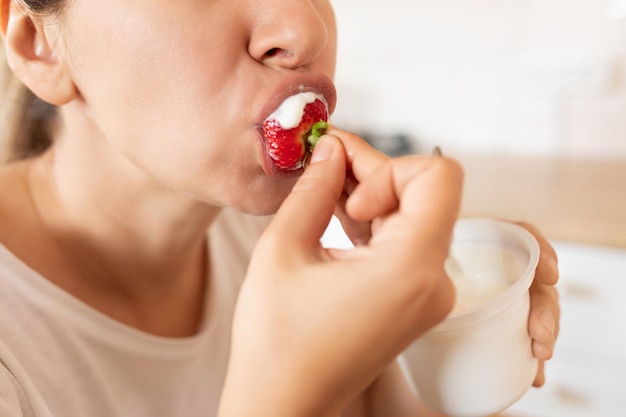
(290, 112)
(481, 271)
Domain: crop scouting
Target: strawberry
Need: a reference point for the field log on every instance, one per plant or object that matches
(289, 148)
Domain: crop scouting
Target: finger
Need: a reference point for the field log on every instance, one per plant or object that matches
(306, 212)
(422, 187)
(413, 203)
(547, 271)
(362, 161)
(543, 323)
(540, 377)
(358, 232)
(362, 158)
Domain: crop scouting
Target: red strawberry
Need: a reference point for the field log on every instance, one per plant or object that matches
(289, 148)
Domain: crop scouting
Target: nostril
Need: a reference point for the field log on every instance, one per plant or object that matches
(278, 52)
(272, 52)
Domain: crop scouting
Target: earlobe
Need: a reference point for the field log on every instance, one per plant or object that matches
(33, 58)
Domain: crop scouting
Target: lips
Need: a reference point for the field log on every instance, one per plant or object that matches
(288, 118)
(318, 84)
(293, 129)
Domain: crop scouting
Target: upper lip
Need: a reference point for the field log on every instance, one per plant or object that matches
(317, 83)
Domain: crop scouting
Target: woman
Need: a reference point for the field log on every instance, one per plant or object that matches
(115, 300)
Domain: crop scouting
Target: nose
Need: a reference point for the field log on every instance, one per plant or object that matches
(289, 33)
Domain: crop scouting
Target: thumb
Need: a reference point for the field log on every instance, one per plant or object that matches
(305, 213)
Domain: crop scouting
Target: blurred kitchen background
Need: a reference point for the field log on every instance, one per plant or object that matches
(532, 77)
(530, 96)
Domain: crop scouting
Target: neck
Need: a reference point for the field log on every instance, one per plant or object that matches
(132, 247)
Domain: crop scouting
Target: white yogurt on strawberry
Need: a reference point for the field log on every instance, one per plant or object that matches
(480, 272)
(290, 112)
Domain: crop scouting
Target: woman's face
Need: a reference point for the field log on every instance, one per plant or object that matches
(180, 88)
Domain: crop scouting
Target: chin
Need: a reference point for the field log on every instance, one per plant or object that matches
(264, 200)
(264, 208)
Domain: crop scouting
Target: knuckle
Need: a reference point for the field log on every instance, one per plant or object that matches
(455, 167)
(449, 167)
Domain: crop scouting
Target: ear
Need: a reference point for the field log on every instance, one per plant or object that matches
(32, 57)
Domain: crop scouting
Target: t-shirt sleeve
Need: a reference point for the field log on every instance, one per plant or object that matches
(13, 399)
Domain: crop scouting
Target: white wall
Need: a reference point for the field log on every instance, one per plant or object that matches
(536, 77)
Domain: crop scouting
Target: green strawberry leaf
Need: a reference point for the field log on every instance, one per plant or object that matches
(316, 133)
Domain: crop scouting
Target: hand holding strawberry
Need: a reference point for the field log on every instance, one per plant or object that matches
(314, 327)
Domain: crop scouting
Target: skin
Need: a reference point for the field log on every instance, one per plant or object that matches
(159, 132)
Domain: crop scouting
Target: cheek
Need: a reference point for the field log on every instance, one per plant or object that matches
(174, 98)
(158, 94)
(147, 67)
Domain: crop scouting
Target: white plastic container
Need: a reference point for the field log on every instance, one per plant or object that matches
(478, 361)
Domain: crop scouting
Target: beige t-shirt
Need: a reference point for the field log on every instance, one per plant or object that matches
(61, 358)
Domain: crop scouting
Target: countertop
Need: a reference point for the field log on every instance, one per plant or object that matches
(581, 201)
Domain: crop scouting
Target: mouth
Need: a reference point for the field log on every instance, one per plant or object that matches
(287, 119)
(292, 130)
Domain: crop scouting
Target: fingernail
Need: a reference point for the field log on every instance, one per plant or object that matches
(322, 151)
(547, 319)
